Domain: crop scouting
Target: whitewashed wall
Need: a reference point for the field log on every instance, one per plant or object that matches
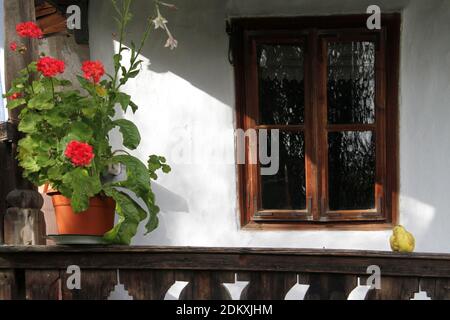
(187, 113)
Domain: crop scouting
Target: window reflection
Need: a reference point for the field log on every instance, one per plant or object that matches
(287, 189)
(352, 170)
(281, 84)
(351, 82)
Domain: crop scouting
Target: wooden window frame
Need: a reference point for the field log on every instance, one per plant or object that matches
(245, 33)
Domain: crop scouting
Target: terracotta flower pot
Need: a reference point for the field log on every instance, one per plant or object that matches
(96, 221)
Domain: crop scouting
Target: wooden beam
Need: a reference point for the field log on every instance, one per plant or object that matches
(421, 265)
(16, 12)
(44, 9)
(56, 22)
(53, 23)
(10, 175)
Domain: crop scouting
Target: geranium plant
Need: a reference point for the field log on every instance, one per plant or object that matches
(66, 132)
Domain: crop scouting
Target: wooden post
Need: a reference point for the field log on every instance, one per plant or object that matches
(15, 11)
(24, 221)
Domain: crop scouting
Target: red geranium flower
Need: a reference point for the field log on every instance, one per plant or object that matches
(15, 96)
(29, 30)
(79, 153)
(13, 46)
(93, 70)
(50, 67)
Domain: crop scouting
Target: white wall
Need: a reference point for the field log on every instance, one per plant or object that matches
(187, 111)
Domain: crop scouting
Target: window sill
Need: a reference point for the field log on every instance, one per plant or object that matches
(314, 226)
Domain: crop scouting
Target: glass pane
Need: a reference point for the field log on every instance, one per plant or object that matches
(287, 188)
(351, 82)
(281, 84)
(351, 170)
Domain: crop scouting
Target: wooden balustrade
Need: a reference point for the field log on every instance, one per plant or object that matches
(149, 272)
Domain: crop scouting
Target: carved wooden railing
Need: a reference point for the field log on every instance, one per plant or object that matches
(210, 273)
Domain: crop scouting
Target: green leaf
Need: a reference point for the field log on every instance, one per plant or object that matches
(28, 144)
(133, 74)
(138, 179)
(89, 107)
(54, 173)
(38, 87)
(84, 187)
(133, 106)
(30, 165)
(81, 131)
(130, 215)
(86, 85)
(152, 223)
(153, 220)
(13, 104)
(156, 163)
(55, 118)
(117, 58)
(89, 112)
(42, 101)
(44, 160)
(124, 100)
(27, 159)
(137, 64)
(29, 122)
(32, 67)
(62, 82)
(130, 133)
(166, 169)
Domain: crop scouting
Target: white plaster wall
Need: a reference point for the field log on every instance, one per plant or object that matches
(187, 113)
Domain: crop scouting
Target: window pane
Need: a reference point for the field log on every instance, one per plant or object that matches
(281, 84)
(352, 170)
(287, 188)
(351, 82)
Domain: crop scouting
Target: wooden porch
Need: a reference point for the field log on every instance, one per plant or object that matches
(147, 273)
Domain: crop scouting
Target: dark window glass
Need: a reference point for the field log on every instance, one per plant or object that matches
(351, 82)
(281, 84)
(352, 170)
(286, 189)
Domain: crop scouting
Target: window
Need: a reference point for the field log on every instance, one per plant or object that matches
(329, 86)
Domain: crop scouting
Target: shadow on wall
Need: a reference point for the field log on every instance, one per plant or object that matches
(200, 30)
(193, 64)
(168, 201)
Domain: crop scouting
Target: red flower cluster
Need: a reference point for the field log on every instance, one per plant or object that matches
(81, 154)
(93, 70)
(13, 46)
(15, 96)
(29, 30)
(50, 67)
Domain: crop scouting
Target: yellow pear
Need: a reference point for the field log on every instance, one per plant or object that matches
(402, 240)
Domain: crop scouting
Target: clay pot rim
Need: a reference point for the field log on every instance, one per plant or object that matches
(49, 191)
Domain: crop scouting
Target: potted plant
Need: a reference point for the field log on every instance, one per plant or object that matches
(66, 143)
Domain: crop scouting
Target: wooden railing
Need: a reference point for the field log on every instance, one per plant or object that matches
(209, 273)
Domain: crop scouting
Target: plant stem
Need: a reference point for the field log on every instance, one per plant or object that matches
(29, 79)
(124, 21)
(53, 90)
(117, 151)
(142, 43)
(139, 51)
